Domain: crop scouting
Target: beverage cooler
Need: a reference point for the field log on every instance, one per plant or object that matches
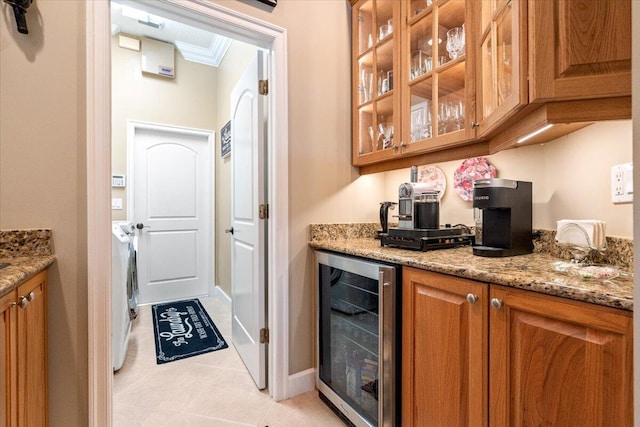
(358, 332)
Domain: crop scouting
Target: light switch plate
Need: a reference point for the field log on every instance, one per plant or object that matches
(622, 183)
(116, 203)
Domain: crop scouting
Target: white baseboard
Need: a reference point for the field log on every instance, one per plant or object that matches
(222, 296)
(302, 382)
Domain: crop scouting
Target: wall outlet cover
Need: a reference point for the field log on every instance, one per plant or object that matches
(622, 183)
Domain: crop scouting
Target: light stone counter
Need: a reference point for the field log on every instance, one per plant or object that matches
(530, 272)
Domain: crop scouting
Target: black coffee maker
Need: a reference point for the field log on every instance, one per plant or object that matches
(503, 216)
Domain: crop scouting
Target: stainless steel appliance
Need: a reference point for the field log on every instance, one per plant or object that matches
(358, 326)
(419, 221)
(409, 193)
(503, 217)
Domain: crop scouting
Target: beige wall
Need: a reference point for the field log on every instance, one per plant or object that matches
(188, 100)
(571, 179)
(42, 132)
(229, 71)
(43, 178)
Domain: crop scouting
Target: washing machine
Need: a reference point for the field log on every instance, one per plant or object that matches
(124, 288)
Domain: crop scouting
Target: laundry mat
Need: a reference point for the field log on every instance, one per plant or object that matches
(184, 329)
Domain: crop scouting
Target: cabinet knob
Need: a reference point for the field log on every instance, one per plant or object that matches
(472, 298)
(31, 296)
(496, 303)
(475, 125)
(24, 301)
(403, 144)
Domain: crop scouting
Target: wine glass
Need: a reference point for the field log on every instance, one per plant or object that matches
(455, 42)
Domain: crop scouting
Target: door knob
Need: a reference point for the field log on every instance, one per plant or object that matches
(228, 230)
(140, 226)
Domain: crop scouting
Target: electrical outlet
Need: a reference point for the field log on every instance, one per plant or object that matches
(622, 183)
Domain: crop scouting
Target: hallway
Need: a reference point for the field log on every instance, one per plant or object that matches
(212, 389)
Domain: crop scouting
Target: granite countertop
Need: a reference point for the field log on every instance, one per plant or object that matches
(20, 269)
(27, 252)
(530, 272)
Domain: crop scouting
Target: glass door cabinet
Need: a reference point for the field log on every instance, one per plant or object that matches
(437, 102)
(502, 83)
(375, 25)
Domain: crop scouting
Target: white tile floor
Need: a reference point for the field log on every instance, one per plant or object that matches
(212, 389)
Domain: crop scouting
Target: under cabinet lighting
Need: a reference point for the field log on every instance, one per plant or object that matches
(534, 133)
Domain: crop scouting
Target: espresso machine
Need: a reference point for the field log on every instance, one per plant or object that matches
(502, 210)
(419, 220)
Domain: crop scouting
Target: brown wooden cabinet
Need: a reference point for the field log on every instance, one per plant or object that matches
(475, 354)
(579, 49)
(558, 362)
(413, 87)
(23, 355)
(444, 350)
(8, 349)
(538, 65)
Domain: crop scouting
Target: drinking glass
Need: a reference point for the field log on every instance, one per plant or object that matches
(443, 117)
(373, 141)
(385, 136)
(455, 42)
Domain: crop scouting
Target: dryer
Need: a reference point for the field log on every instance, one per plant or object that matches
(124, 288)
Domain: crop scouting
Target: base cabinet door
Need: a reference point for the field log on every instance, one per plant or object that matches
(444, 350)
(32, 352)
(556, 362)
(8, 405)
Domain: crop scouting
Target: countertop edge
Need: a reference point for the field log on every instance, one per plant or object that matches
(22, 269)
(560, 288)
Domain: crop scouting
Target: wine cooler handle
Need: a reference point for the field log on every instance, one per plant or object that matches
(386, 347)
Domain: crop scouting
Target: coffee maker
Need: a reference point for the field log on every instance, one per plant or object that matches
(419, 220)
(502, 210)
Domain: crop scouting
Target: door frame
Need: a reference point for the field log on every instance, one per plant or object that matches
(132, 126)
(98, 146)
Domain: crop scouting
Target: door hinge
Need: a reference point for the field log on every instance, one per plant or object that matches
(264, 335)
(263, 211)
(263, 87)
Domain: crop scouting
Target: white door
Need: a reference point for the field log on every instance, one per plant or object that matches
(172, 210)
(248, 286)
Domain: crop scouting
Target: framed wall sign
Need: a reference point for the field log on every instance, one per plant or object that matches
(225, 140)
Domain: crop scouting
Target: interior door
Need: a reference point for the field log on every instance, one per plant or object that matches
(248, 252)
(172, 210)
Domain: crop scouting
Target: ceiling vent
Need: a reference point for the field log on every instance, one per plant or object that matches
(158, 58)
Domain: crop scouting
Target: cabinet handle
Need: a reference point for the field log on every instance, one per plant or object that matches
(475, 125)
(496, 303)
(24, 302)
(403, 144)
(472, 298)
(31, 296)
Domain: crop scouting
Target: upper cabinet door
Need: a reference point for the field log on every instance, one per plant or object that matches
(501, 66)
(376, 118)
(579, 49)
(438, 87)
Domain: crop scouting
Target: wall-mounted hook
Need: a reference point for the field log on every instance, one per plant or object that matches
(20, 10)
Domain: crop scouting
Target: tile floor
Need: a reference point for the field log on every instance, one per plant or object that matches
(212, 389)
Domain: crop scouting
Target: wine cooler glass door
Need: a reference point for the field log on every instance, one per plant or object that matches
(355, 362)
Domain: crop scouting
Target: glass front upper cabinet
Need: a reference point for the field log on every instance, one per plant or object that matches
(375, 44)
(436, 105)
(502, 87)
